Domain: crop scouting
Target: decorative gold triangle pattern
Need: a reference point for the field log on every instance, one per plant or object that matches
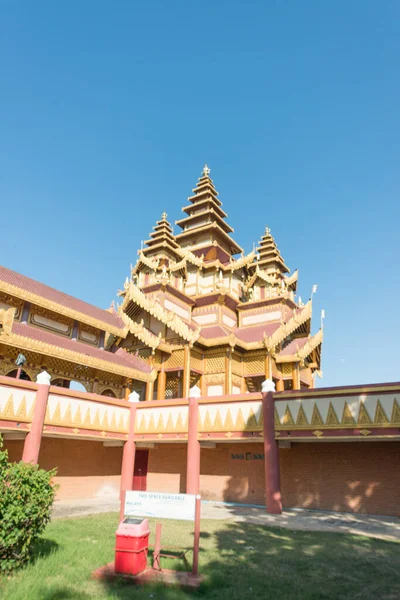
(395, 418)
(8, 411)
(347, 417)
(363, 416)
(301, 418)
(287, 418)
(252, 424)
(170, 424)
(21, 412)
(316, 419)
(380, 416)
(84, 417)
(331, 418)
(228, 424)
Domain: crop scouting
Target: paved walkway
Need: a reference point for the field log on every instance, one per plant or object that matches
(386, 528)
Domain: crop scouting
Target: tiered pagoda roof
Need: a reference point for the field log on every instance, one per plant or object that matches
(161, 239)
(205, 226)
(270, 257)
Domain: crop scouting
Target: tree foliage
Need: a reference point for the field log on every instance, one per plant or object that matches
(26, 496)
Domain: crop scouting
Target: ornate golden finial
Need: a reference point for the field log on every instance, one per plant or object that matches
(206, 171)
(164, 216)
(267, 231)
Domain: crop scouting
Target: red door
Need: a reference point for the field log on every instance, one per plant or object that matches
(140, 471)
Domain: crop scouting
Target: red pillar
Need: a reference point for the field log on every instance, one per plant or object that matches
(271, 452)
(34, 437)
(128, 457)
(193, 447)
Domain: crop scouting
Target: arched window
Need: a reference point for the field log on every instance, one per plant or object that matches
(77, 386)
(23, 375)
(108, 393)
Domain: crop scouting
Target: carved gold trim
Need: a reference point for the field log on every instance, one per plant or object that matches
(169, 318)
(7, 319)
(286, 329)
(76, 357)
(309, 346)
(291, 279)
(58, 308)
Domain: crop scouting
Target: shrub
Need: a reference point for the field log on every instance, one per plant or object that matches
(26, 496)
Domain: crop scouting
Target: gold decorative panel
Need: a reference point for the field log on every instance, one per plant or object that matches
(175, 360)
(227, 416)
(166, 419)
(172, 387)
(215, 363)
(254, 364)
(350, 412)
(196, 360)
(286, 369)
(49, 320)
(14, 302)
(16, 404)
(74, 412)
(237, 366)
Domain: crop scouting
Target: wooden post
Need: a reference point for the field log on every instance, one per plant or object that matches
(196, 541)
(268, 366)
(193, 447)
(34, 438)
(228, 371)
(186, 372)
(149, 390)
(162, 379)
(157, 548)
(280, 386)
(271, 451)
(295, 376)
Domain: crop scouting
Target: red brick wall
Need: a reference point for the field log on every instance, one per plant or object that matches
(84, 469)
(356, 476)
(167, 469)
(359, 476)
(221, 477)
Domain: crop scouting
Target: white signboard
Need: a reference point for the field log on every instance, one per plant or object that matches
(162, 506)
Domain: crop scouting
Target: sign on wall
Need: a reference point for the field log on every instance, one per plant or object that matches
(247, 456)
(159, 505)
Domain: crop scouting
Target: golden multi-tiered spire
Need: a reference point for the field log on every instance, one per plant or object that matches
(205, 226)
(162, 239)
(270, 259)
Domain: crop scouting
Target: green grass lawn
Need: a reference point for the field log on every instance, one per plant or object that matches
(240, 561)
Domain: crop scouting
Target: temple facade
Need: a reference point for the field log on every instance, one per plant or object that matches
(195, 317)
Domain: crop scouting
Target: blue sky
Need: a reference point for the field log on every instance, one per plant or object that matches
(110, 110)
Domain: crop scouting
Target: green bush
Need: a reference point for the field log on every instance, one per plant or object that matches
(26, 496)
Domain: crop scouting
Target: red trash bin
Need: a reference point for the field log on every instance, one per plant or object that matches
(132, 546)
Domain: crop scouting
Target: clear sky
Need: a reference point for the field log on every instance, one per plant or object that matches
(109, 111)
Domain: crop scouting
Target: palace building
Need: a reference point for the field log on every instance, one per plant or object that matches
(196, 313)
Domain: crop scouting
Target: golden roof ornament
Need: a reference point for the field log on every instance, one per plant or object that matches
(267, 231)
(206, 171)
(164, 216)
